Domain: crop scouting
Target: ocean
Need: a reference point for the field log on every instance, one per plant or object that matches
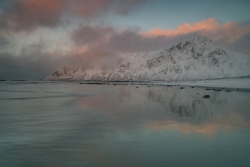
(71, 124)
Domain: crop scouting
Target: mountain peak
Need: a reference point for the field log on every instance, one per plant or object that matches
(194, 37)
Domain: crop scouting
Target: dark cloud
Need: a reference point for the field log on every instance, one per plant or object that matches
(241, 44)
(28, 14)
(25, 67)
(112, 40)
(3, 42)
(32, 63)
(25, 15)
(131, 41)
(125, 6)
(94, 8)
(91, 34)
(43, 64)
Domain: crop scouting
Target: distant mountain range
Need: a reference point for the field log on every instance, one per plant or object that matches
(192, 57)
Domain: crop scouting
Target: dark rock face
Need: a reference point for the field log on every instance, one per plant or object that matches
(206, 96)
(56, 73)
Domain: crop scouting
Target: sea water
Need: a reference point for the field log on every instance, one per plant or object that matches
(71, 124)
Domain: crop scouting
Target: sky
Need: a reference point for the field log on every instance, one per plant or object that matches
(40, 36)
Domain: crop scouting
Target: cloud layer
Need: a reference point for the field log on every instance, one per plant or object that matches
(25, 15)
(210, 28)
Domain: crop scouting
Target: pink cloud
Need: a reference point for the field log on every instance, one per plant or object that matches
(210, 28)
(130, 40)
(91, 8)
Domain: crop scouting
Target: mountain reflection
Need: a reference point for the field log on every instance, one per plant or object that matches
(182, 102)
(158, 106)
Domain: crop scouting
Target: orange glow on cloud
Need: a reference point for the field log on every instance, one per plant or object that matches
(44, 6)
(210, 27)
(89, 8)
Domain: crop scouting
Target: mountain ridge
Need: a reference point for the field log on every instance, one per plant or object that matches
(188, 58)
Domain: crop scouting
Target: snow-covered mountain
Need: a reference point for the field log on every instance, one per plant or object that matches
(192, 57)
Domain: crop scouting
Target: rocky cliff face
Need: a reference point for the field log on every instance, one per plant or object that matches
(193, 57)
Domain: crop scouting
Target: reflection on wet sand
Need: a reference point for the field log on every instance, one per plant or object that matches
(187, 128)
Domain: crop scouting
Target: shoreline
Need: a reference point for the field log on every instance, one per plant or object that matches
(240, 83)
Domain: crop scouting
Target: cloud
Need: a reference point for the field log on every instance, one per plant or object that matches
(29, 14)
(33, 62)
(242, 44)
(30, 67)
(3, 42)
(26, 15)
(108, 38)
(91, 34)
(12, 67)
(211, 28)
(101, 38)
(94, 8)
(131, 41)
